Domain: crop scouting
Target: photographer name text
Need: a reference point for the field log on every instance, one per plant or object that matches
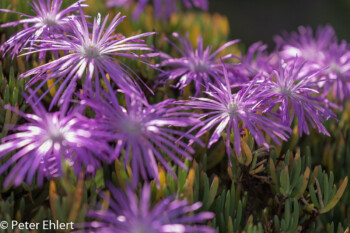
(44, 225)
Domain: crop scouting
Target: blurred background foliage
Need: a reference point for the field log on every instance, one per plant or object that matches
(300, 186)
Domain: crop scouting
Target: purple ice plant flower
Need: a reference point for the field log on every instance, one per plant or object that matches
(47, 22)
(322, 51)
(128, 213)
(90, 57)
(162, 8)
(48, 141)
(294, 89)
(303, 44)
(257, 61)
(230, 111)
(143, 133)
(199, 65)
(337, 72)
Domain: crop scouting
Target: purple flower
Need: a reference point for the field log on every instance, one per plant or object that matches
(144, 132)
(295, 90)
(304, 45)
(257, 61)
(337, 71)
(128, 214)
(229, 110)
(196, 65)
(322, 51)
(162, 8)
(47, 141)
(92, 56)
(47, 22)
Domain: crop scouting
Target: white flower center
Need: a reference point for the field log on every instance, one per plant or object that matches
(232, 109)
(132, 126)
(199, 65)
(91, 51)
(49, 20)
(334, 67)
(284, 90)
(141, 227)
(55, 132)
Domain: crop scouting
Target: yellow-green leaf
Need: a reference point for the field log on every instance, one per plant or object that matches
(304, 183)
(336, 197)
(213, 190)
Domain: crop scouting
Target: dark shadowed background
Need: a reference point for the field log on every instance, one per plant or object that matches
(253, 20)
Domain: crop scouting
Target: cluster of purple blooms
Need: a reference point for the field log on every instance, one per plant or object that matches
(259, 92)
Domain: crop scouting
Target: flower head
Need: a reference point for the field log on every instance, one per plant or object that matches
(295, 90)
(46, 24)
(321, 51)
(129, 214)
(47, 141)
(92, 56)
(336, 71)
(229, 110)
(199, 66)
(304, 45)
(162, 8)
(257, 61)
(143, 132)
